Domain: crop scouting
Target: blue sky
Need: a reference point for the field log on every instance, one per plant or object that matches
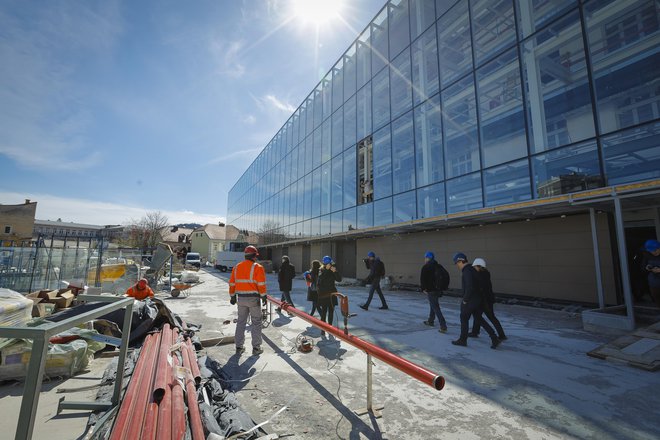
(109, 109)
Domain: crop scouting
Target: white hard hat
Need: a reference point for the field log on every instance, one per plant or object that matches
(479, 262)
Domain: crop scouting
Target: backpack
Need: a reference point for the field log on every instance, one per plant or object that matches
(380, 269)
(440, 278)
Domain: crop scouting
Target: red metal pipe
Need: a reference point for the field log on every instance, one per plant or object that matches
(178, 406)
(192, 361)
(162, 368)
(411, 369)
(151, 416)
(164, 425)
(193, 406)
(142, 370)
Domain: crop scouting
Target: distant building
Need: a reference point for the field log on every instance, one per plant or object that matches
(60, 229)
(178, 238)
(210, 239)
(17, 222)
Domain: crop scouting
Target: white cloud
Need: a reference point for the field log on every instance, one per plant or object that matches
(246, 155)
(50, 207)
(250, 120)
(228, 57)
(273, 101)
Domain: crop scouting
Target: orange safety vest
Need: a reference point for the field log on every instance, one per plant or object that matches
(138, 294)
(248, 279)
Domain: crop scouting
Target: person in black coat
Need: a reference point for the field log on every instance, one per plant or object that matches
(427, 282)
(472, 302)
(376, 272)
(312, 278)
(486, 286)
(328, 275)
(285, 278)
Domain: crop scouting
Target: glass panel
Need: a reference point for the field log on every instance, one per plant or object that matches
(558, 98)
(316, 227)
(422, 15)
(307, 209)
(363, 58)
(379, 45)
(350, 72)
(337, 133)
(493, 27)
(399, 26)
(442, 6)
(460, 123)
(350, 219)
(403, 154)
(454, 44)
(405, 207)
(325, 224)
(326, 185)
(316, 192)
(309, 106)
(327, 96)
(350, 179)
(349, 123)
(336, 222)
(431, 201)
(309, 154)
(300, 200)
(337, 180)
(326, 149)
(381, 98)
(425, 67)
(318, 106)
(294, 129)
(337, 85)
(400, 84)
(502, 131)
(383, 212)
(567, 170)
(364, 112)
(382, 163)
(632, 155)
(624, 38)
(428, 142)
(301, 160)
(293, 166)
(318, 148)
(365, 215)
(533, 15)
(507, 183)
(464, 193)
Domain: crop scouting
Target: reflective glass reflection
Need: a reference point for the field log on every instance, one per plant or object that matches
(337, 85)
(337, 133)
(383, 211)
(365, 215)
(464, 193)
(326, 170)
(428, 142)
(350, 72)
(493, 27)
(380, 87)
(350, 180)
(422, 15)
(399, 26)
(431, 201)
(632, 155)
(405, 207)
(400, 84)
(425, 76)
(508, 183)
(349, 123)
(567, 170)
(624, 38)
(533, 15)
(363, 50)
(364, 112)
(350, 219)
(460, 124)
(382, 150)
(336, 222)
(454, 44)
(379, 42)
(403, 154)
(558, 97)
(337, 183)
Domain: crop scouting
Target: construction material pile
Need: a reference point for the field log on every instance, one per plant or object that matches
(161, 399)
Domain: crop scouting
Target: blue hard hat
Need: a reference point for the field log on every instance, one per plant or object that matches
(327, 260)
(371, 254)
(652, 245)
(429, 255)
(458, 256)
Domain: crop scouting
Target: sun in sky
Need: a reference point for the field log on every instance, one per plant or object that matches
(317, 12)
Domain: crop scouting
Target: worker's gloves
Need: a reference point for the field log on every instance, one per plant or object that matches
(232, 300)
(264, 301)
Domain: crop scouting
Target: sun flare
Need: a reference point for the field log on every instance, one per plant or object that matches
(317, 12)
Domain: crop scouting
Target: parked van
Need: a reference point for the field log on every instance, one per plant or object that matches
(193, 259)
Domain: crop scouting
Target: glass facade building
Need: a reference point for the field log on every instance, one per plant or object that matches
(440, 107)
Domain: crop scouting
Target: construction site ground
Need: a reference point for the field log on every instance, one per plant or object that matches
(538, 384)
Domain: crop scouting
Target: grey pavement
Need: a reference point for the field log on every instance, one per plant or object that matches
(538, 384)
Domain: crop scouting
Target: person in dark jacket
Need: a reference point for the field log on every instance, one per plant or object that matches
(486, 286)
(427, 282)
(285, 278)
(328, 275)
(376, 272)
(652, 266)
(312, 278)
(471, 304)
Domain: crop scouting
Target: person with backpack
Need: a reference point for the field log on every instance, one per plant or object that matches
(376, 272)
(285, 279)
(312, 277)
(486, 286)
(434, 280)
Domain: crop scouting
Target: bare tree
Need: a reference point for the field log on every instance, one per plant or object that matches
(268, 232)
(145, 233)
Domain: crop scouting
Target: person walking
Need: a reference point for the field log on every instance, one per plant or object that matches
(328, 275)
(285, 278)
(471, 303)
(312, 277)
(247, 285)
(488, 299)
(376, 272)
(433, 286)
(652, 266)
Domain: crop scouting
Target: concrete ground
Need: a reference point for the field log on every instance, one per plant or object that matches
(538, 384)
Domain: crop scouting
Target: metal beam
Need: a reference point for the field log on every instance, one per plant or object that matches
(599, 274)
(623, 262)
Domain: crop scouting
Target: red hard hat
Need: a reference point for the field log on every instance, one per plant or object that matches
(251, 250)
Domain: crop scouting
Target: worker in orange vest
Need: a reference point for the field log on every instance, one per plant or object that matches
(247, 285)
(140, 290)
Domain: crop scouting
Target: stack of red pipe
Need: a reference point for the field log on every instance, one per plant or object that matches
(153, 406)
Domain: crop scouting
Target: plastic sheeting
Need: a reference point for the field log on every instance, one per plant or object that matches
(15, 309)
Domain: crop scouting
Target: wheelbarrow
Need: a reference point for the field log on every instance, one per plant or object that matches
(182, 289)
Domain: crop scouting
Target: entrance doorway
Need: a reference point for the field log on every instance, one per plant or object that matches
(636, 235)
(346, 258)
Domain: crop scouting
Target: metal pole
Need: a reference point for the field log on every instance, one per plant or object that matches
(125, 337)
(370, 405)
(34, 263)
(623, 262)
(33, 381)
(656, 221)
(599, 274)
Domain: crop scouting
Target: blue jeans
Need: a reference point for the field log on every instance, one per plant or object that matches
(434, 303)
(375, 287)
(286, 296)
